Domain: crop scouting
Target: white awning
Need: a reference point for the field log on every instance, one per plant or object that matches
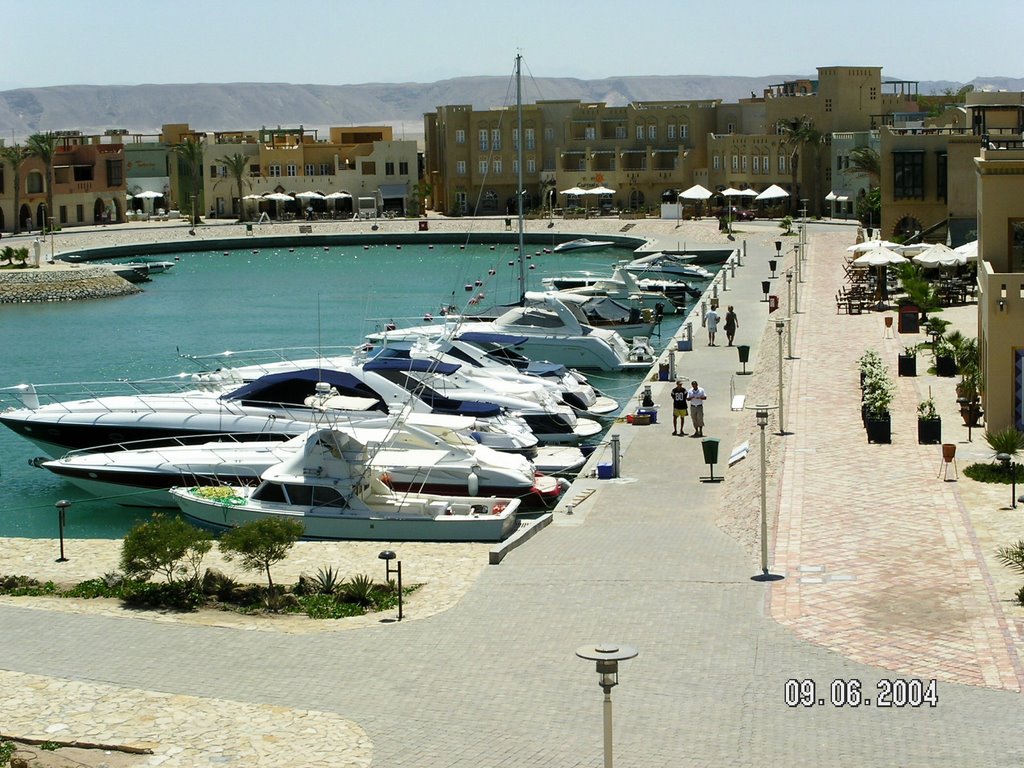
(391, 191)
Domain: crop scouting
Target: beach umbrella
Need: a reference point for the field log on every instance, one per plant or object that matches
(880, 257)
(940, 255)
(774, 192)
(600, 191)
(869, 245)
(970, 250)
(696, 192)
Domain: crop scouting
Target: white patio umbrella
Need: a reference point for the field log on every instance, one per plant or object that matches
(573, 191)
(336, 196)
(696, 192)
(940, 255)
(774, 192)
(279, 197)
(869, 245)
(310, 195)
(600, 191)
(880, 257)
(970, 250)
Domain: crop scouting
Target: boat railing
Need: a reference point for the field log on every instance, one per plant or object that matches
(229, 439)
(61, 393)
(270, 358)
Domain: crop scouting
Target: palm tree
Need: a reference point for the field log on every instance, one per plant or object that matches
(14, 156)
(864, 161)
(44, 147)
(799, 134)
(238, 169)
(190, 165)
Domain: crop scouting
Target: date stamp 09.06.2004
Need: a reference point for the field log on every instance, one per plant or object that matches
(895, 693)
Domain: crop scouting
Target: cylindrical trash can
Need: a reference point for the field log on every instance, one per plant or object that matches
(663, 372)
(710, 447)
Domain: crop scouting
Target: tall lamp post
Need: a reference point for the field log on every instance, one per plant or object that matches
(761, 414)
(387, 556)
(607, 656)
(789, 312)
(780, 328)
(1008, 463)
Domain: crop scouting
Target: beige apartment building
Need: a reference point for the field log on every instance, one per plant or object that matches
(648, 151)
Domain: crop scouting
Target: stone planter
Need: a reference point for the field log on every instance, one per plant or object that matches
(945, 365)
(929, 431)
(907, 365)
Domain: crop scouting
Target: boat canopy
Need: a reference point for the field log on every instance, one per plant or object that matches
(484, 337)
(293, 387)
(411, 365)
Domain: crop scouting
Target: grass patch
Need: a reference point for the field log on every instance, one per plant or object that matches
(991, 473)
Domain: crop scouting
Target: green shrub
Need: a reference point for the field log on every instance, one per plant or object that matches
(24, 586)
(167, 545)
(990, 473)
(359, 590)
(329, 607)
(1012, 556)
(261, 543)
(1009, 441)
(172, 596)
(94, 588)
(219, 585)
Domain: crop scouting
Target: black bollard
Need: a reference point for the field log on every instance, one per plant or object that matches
(62, 506)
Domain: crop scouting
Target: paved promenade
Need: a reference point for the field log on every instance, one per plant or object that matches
(889, 575)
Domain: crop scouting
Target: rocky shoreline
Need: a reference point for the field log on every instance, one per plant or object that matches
(20, 286)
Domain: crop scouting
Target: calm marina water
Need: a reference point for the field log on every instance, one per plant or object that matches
(241, 300)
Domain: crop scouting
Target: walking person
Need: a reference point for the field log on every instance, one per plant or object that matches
(695, 399)
(731, 324)
(711, 321)
(679, 400)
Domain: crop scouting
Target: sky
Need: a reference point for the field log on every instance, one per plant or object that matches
(67, 42)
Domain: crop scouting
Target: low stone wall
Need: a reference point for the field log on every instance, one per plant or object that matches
(19, 286)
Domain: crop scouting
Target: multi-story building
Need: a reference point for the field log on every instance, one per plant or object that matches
(362, 161)
(88, 184)
(647, 151)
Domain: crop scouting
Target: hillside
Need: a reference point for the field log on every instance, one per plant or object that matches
(229, 106)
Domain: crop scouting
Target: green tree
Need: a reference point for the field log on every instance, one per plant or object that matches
(261, 543)
(869, 207)
(166, 545)
(800, 138)
(44, 147)
(238, 171)
(420, 192)
(864, 161)
(190, 165)
(14, 156)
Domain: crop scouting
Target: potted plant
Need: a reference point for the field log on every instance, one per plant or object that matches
(929, 423)
(879, 391)
(945, 358)
(907, 364)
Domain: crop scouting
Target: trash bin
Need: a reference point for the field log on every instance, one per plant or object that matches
(248, 229)
(765, 287)
(710, 447)
(663, 372)
(424, 226)
(909, 319)
(744, 353)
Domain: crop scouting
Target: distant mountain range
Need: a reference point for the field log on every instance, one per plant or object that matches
(237, 106)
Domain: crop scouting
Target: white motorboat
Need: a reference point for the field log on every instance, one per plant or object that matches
(582, 244)
(551, 331)
(626, 319)
(667, 265)
(287, 403)
(335, 498)
(414, 459)
(621, 287)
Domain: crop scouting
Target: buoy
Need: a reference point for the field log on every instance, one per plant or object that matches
(481, 295)
(326, 248)
(469, 287)
(430, 247)
(533, 266)
(492, 272)
(398, 247)
(428, 317)
(462, 247)
(511, 263)
(492, 247)
(478, 283)
(390, 327)
(515, 248)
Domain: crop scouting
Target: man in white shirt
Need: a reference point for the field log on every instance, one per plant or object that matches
(695, 399)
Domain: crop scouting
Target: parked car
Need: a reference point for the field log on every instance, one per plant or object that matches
(738, 214)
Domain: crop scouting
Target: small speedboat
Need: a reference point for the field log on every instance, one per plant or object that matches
(582, 244)
(335, 498)
(667, 265)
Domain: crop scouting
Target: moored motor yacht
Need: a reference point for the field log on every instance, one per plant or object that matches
(582, 244)
(668, 265)
(336, 498)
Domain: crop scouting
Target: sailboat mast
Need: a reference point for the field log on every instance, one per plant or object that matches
(519, 179)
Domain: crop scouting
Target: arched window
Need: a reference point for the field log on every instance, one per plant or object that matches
(490, 201)
(636, 200)
(34, 183)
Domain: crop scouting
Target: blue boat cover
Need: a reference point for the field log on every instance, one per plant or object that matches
(293, 387)
(410, 364)
(484, 337)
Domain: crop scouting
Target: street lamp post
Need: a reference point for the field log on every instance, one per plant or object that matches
(789, 312)
(967, 407)
(780, 328)
(1010, 464)
(387, 556)
(761, 414)
(607, 656)
(51, 239)
(62, 507)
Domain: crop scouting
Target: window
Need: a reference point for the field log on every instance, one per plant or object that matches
(369, 167)
(310, 169)
(1, 179)
(495, 139)
(325, 169)
(941, 180)
(115, 172)
(482, 167)
(292, 169)
(549, 133)
(515, 166)
(490, 200)
(63, 210)
(639, 133)
(531, 165)
(764, 163)
(782, 163)
(403, 168)
(254, 171)
(274, 169)
(1015, 242)
(213, 171)
(716, 162)
(908, 175)
(590, 133)
(684, 131)
(730, 128)
(482, 138)
(828, 105)
(670, 131)
(744, 163)
(757, 164)
(389, 168)
(79, 212)
(735, 162)
(460, 202)
(497, 165)
(582, 165)
(872, 93)
(515, 139)
(620, 131)
(460, 167)
(460, 136)
(531, 139)
(652, 132)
